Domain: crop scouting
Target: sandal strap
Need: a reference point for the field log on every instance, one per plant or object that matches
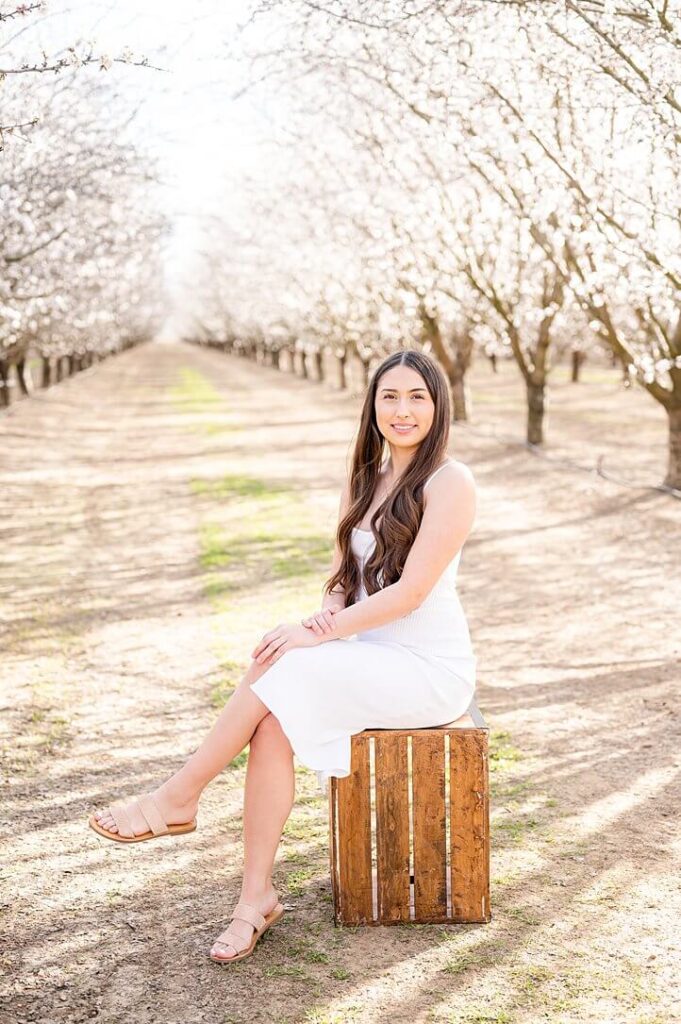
(155, 820)
(123, 823)
(245, 912)
(231, 938)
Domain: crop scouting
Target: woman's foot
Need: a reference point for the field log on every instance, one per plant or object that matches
(265, 902)
(175, 807)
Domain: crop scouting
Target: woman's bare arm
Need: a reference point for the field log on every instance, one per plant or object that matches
(447, 520)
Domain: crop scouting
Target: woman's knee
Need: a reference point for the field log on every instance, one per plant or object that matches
(269, 731)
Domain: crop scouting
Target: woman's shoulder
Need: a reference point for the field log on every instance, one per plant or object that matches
(454, 472)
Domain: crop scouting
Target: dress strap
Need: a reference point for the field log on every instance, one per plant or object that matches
(447, 463)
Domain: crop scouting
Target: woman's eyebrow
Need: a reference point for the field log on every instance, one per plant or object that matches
(411, 389)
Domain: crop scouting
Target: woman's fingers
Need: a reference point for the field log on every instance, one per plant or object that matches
(278, 653)
(265, 640)
(265, 653)
(325, 620)
(329, 616)
(269, 642)
(275, 652)
(321, 622)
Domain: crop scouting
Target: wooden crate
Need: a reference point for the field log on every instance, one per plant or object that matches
(409, 827)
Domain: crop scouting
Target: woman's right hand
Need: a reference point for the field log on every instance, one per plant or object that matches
(322, 621)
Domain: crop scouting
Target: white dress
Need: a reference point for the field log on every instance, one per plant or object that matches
(416, 671)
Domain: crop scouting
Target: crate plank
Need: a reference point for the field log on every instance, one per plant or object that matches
(392, 827)
(353, 829)
(469, 826)
(430, 840)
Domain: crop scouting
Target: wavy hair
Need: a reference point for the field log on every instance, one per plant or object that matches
(401, 511)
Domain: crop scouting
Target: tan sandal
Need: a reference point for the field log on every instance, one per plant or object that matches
(245, 912)
(149, 810)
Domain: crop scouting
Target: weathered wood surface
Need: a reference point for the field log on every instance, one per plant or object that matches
(413, 806)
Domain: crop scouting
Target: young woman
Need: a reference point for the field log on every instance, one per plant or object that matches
(390, 647)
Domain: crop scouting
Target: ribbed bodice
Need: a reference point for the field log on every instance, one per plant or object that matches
(438, 627)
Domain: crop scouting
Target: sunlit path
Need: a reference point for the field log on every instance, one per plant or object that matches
(163, 510)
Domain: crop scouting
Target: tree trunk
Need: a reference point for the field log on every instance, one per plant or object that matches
(46, 377)
(71, 361)
(536, 407)
(303, 366)
(290, 366)
(21, 377)
(673, 477)
(459, 403)
(578, 358)
(342, 373)
(493, 361)
(5, 397)
(319, 364)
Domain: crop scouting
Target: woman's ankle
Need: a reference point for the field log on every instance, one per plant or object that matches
(179, 790)
(256, 891)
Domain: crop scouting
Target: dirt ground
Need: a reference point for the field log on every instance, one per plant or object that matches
(163, 510)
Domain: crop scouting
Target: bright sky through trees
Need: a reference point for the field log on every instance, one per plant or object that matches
(186, 114)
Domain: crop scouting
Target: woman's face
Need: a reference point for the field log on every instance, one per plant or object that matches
(403, 401)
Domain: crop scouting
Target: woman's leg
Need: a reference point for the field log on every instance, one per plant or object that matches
(178, 797)
(268, 799)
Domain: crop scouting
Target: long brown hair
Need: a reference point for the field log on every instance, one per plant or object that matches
(401, 511)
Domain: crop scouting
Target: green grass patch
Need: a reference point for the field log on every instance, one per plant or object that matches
(286, 971)
(45, 731)
(307, 828)
(526, 915)
(465, 961)
(194, 392)
(316, 956)
(502, 753)
(482, 1017)
(236, 486)
(230, 674)
(298, 880)
(264, 561)
(266, 536)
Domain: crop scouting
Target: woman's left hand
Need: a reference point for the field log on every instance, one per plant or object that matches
(282, 638)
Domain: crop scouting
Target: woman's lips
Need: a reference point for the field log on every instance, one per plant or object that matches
(403, 429)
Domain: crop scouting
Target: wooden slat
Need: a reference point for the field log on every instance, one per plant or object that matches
(392, 827)
(353, 825)
(430, 840)
(333, 865)
(469, 825)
